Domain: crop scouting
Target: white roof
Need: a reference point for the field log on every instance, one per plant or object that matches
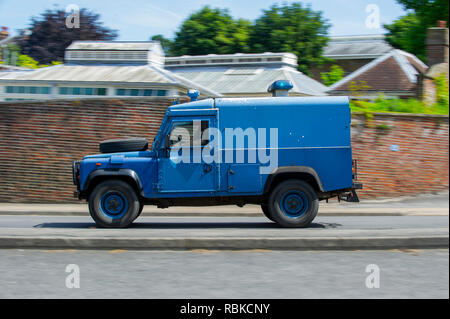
(251, 80)
(356, 47)
(113, 45)
(105, 74)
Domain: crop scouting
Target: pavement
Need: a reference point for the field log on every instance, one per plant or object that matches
(226, 233)
(423, 205)
(408, 223)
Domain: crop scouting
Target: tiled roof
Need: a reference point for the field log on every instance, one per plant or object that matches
(394, 71)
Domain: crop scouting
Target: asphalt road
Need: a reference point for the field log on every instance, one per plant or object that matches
(223, 274)
(222, 224)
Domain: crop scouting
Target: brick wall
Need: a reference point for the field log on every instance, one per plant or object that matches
(39, 141)
(401, 154)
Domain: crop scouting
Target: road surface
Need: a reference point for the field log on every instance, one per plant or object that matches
(223, 274)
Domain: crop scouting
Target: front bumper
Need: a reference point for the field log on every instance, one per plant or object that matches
(76, 178)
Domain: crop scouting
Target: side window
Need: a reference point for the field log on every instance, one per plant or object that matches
(183, 132)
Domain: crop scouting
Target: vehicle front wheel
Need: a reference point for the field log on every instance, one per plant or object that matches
(114, 204)
(293, 203)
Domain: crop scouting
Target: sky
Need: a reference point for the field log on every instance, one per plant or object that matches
(138, 20)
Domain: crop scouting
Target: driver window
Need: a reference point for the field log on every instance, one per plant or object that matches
(182, 132)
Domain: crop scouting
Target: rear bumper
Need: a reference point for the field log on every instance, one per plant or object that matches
(351, 196)
(357, 185)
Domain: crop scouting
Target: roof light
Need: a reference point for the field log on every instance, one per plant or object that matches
(280, 88)
(193, 94)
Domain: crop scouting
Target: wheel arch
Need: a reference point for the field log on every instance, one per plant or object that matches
(96, 177)
(305, 173)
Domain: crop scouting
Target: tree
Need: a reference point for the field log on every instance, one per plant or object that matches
(409, 32)
(291, 28)
(336, 73)
(211, 31)
(49, 36)
(165, 43)
(27, 62)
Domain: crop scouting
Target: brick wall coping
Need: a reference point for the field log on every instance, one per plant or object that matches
(182, 98)
(404, 114)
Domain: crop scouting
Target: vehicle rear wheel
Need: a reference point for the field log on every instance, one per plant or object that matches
(266, 212)
(293, 203)
(114, 204)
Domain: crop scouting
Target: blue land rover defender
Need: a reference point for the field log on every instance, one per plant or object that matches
(282, 153)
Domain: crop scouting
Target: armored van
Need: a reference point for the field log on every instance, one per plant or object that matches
(283, 153)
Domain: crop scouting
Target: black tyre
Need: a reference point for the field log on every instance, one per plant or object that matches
(114, 204)
(293, 203)
(141, 207)
(124, 145)
(266, 212)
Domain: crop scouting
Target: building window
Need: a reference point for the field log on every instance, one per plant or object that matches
(172, 62)
(81, 91)
(250, 60)
(140, 92)
(196, 62)
(28, 89)
(222, 61)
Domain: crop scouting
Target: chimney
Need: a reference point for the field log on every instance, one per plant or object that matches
(437, 44)
(4, 33)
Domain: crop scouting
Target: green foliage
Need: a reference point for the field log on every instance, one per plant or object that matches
(291, 28)
(358, 88)
(409, 32)
(10, 54)
(383, 127)
(211, 31)
(288, 28)
(27, 62)
(398, 106)
(442, 90)
(336, 73)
